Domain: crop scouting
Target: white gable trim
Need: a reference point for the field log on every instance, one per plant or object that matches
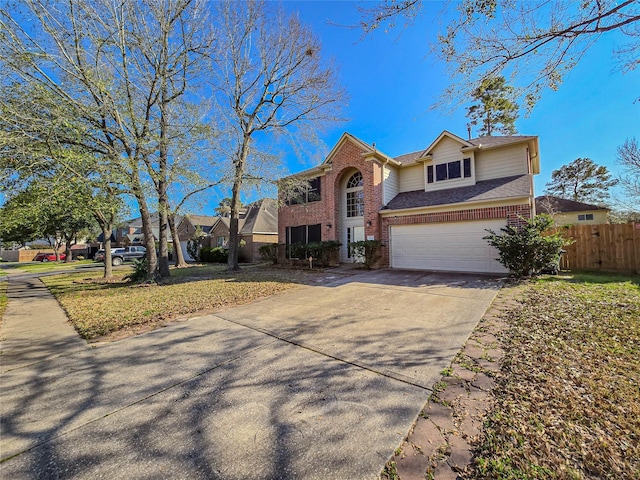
(347, 137)
(445, 133)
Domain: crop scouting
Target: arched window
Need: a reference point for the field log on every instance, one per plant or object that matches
(355, 196)
(355, 180)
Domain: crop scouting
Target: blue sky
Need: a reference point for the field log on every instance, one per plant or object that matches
(392, 82)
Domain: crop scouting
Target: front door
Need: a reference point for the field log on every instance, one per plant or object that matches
(354, 234)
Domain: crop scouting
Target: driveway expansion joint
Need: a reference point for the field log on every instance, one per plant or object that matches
(393, 376)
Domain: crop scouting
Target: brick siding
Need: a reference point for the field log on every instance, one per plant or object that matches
(346, 160)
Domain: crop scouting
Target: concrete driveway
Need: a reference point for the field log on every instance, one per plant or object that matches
(317, 383)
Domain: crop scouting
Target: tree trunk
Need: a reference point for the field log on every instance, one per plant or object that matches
(177, 248)
(232, 261)
(67, 250)
(149, 240)
(163, 247)
(106, 227)
(163, 154)
(106, 235)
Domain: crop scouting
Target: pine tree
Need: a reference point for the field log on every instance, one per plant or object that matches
(494, 110)
(582, 181)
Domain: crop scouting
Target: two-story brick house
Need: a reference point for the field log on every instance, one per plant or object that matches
(429, 208)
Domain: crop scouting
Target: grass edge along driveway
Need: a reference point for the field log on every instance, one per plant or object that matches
(97, 308)
(3, 297)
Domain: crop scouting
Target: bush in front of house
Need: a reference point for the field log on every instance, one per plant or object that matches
(269, 252)
(140, 270)
(214, 255)
(323, 253)
(368, 250)
(194, 244)
(529, 249)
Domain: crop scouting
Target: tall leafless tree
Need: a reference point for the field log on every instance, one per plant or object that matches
(629, 159)
(271, 81)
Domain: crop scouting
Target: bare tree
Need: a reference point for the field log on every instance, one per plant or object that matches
(124, 71)
(538, 42)
(629, 159)
(270, 81)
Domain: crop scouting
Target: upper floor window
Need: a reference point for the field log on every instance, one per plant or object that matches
(355, 180)
(449, 171)
(355, 196)
(307, 193)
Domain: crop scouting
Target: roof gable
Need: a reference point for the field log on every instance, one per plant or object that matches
(201, 220)
(446, 134)
(226, 224)
(346, 137)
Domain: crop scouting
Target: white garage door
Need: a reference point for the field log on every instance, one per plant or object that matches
(457, 246)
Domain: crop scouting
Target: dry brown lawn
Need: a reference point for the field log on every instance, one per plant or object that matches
(568, 397)
(97, 308)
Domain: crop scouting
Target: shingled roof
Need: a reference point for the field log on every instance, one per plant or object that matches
(494, 189)
(409, 158)
(499, 141)
(262, 217)
(551, 204)
(203, 221)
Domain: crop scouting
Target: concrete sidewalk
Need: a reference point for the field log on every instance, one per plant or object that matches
(317, 383)
(34, 328)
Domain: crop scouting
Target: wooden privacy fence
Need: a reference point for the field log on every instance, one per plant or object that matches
(610, 248)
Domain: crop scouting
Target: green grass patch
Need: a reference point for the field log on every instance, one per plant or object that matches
(3, 297)
(568, 404)
(98, 308)
(43, 267)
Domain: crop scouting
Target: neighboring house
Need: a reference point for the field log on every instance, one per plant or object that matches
(569, 212)
(219, 234)
(130, 231)
(135, 235)
(260, 228)
(188, 226)
(257, 226)
(430, 208)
